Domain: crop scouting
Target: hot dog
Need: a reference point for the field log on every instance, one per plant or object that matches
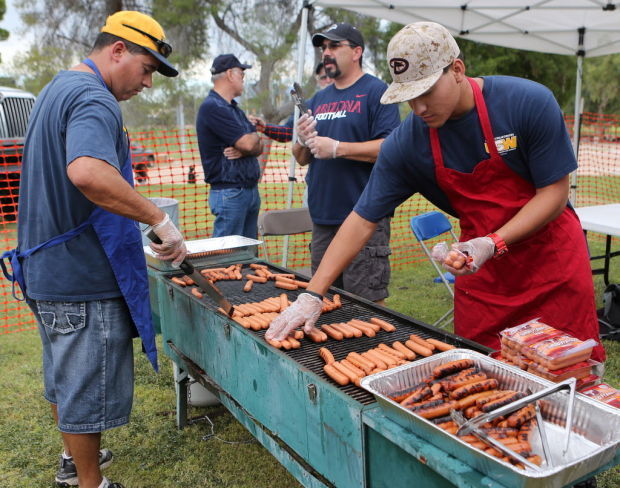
(241, 321)
(337, 300)
(285, 280)
(256, 266)
(386, 326)
(468, 401)
(196, 293)
(257, 279)
(376, 360)
(452, 367)
(470, 389)
(454, 385)
(326, 355)
(345, 331)
(362, 362)
(521, 416)
(436, 411)
(298, 334)
(336, 375)
(363, 365)
(359, 372)
(392, 352)
(286, 286)
(276, 344)
(316, 335)
(418, 349)
(283, 302)
(331, 332)
(442, 346)
(421, 341)
(399, 346)
(417, 395)
(178, 281)
(301, 284)
(248, 286)
(352, 330)
(363, 323)
(500, 402)
(295, 344)
(386, 358)
(353, 378)
(367, 331)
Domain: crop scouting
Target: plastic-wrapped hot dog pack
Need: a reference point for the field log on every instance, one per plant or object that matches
(548, 352)
(603, 393)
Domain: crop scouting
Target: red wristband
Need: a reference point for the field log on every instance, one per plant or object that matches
(500, 246)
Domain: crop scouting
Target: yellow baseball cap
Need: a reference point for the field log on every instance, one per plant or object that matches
(144, 31)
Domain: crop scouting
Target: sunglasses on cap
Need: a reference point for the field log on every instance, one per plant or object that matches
(162, 46)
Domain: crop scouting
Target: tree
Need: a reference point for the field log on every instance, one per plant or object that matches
(601, 92)
(4, 34)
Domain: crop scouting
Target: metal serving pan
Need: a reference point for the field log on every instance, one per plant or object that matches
(594, 440)
(204, 252)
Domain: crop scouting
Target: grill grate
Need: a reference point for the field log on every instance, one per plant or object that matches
(352, 307)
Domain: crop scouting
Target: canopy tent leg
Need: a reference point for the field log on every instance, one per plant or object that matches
(577, 114)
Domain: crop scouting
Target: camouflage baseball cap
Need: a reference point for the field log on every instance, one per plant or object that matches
(417, 55)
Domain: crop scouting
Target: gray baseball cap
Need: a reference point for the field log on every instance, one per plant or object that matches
(417, 55)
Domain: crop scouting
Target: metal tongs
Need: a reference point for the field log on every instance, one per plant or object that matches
(473, 426)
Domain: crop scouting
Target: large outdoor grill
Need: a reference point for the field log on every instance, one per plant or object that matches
(324, 434)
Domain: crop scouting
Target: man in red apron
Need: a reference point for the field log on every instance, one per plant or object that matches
(495, 153)
(80, 262)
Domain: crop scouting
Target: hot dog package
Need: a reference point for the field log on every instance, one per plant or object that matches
(523, 335)
(603, 393)
(560, 351)
(577, 370)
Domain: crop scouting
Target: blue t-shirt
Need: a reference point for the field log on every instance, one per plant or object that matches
(74, 116)
(219, 125)
(529, 132)
(353, 114)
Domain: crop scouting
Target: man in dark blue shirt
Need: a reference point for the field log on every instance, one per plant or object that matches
(228, 145)
(341, 141)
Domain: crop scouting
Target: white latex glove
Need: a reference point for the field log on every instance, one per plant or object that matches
(304, 311)
(323, 147)
(479, 249)
(172, 247)
(306, 128)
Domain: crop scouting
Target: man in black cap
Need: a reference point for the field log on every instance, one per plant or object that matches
(229, 145)
(340, 139)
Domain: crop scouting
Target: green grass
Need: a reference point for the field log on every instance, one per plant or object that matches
(150, 452)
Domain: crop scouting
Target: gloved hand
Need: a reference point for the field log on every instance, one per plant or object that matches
(479, 249)
(172, 247)
(306, 128)
(323, 147)
(304, 311)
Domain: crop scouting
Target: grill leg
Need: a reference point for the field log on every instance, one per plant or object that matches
(181, 381)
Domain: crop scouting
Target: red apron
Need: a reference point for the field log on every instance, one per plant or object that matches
(546, 275)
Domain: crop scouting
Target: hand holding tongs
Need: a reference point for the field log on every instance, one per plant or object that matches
(472, 425)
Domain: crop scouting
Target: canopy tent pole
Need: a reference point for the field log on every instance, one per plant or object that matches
(301, 58)
(577, 113)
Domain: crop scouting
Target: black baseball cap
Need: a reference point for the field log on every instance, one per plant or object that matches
(341, 32)
(227, 61)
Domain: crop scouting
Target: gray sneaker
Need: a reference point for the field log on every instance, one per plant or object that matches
(67, 472)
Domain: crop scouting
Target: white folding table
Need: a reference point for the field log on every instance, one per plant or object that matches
(603, 219)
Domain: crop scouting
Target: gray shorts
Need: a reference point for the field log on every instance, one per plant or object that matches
(87, 362)
(368, 275)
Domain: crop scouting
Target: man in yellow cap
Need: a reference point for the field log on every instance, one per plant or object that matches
(83, 271)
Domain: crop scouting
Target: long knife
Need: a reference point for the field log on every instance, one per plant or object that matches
(204, 284)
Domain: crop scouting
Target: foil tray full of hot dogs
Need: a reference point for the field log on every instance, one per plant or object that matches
(593, 441)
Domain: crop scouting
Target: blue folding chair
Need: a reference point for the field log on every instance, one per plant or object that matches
(427, 226)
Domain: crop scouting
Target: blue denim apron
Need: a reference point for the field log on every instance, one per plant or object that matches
(122, 242)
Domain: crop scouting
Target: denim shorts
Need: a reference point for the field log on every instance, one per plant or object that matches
(368, 275)
(236, 211)
(87, 362)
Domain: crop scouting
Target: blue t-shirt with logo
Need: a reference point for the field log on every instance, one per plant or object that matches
(529, 132)
(219, 125)
(353, 114)
(74, 116)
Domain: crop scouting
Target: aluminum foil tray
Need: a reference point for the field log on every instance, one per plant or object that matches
(205, 252)
(595, 437)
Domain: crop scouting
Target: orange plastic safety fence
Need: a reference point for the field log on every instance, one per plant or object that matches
(167, 164)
